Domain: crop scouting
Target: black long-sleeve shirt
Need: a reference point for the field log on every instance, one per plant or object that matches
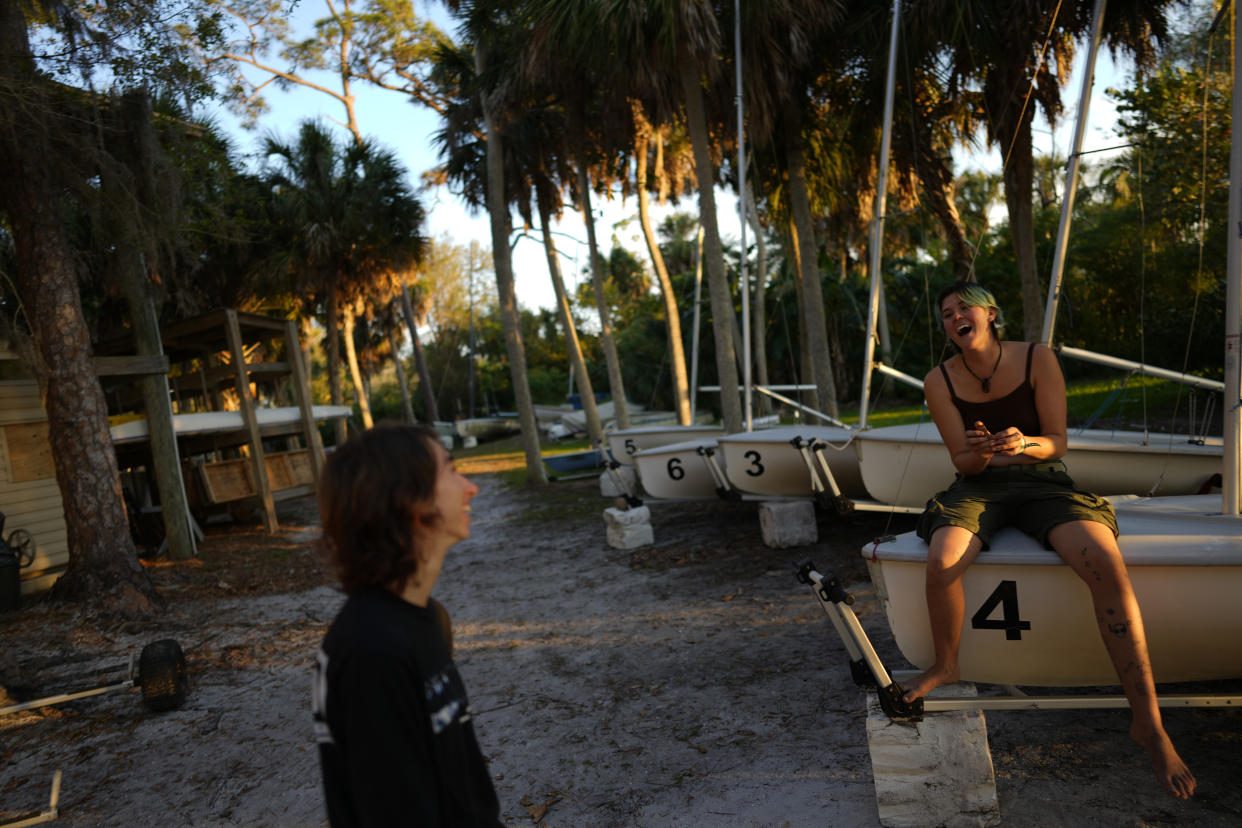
(396, 743)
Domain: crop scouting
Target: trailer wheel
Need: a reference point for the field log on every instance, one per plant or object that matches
(162, 675)
(23, 546)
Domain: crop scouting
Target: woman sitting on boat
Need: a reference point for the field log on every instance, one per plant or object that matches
(1000, 409)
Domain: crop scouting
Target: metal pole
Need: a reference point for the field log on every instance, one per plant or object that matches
(1233, 296)
(1071, 178)
(470, 412)
(877, 235)
(694, 351)
(743, 281)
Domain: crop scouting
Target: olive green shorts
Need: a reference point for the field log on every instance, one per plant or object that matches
(1033, 497)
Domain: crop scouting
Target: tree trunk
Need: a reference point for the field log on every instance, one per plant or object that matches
(937, 178)
(759, 312)
(355, 373)
(1019, 175)
(167, 466)
(498, 209)
(806, 375)
(332, 338)
(616, 384)
(672, 317)
(812, 289)
(713, 253)
(103, 565)
(407, 408)
(431, 412)
(595, 429)
(306, 331)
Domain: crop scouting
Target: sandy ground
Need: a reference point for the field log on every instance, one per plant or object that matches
(689, 683)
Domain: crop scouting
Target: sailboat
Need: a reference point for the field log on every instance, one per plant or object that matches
(680, 471)
(1030, 619)
(906, 465)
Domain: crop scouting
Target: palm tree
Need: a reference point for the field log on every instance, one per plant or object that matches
(494, 33)
(1018, 54)
(413, 310)
(783, 51)
(651, 50)
(644, 132)
(351, 227)
(536, 166)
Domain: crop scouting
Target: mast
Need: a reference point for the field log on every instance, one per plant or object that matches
(877, 234)
(1233, 297)
(743, 282)
(1071, 178)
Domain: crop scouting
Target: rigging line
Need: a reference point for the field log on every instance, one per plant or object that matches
(1203, 160)
(1142, 286)
(1043, 50)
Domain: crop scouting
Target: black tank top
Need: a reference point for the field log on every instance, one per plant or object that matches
(1017, 408)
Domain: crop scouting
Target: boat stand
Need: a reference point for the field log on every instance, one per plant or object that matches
(622, 485)
(723, 490)
(868, 670)
(823, 484)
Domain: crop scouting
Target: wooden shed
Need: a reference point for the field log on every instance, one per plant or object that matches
(224, 356)
(29, 495)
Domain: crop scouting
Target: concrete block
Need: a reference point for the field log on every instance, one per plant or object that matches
(446, 440)
(934, 772)
(608, 485)
(629, 528)
(788, 523)
(469, 441)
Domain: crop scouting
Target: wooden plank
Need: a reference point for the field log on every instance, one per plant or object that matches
(34, 583)
(227, 480)
(294, 493)
(257, 321)
(302, 393)
(20, 496)
(135, 365)
(224, 375)
(233, 332)
(20, 402)
(30, 453)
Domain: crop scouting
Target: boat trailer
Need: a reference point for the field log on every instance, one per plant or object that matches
(869, 672)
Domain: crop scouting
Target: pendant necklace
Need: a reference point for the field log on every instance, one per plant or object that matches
(986, 382)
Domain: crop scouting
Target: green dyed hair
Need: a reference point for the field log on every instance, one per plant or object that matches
(974, 295)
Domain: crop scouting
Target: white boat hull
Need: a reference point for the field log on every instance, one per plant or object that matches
(1186, 570)
(765, 462)
(487, 428)
(906, 465)
(624, 443)
(211, 422)
(676, 471)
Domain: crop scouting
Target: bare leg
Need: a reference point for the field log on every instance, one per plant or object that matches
(1091, 550)
(951, 550)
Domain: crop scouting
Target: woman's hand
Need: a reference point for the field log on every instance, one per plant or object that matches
(1009, 442)
(981, 441)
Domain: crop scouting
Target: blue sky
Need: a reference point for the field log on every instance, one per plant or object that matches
(407, 129)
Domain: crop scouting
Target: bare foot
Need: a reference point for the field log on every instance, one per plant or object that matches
(1169, 767)
(930, 680)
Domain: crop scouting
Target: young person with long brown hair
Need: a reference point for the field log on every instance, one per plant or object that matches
(396, 742)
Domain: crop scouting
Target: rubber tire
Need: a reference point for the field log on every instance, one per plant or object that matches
(162, 675)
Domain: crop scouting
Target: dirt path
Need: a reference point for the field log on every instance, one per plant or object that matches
(689, 683)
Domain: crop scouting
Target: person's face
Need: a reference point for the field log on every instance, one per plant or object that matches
(965, 324)
(452, 497)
